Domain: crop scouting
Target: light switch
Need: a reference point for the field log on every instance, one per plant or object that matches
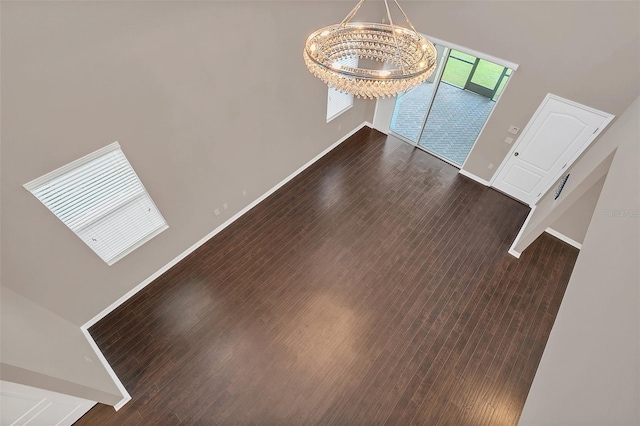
(513, 130)
(508, 140)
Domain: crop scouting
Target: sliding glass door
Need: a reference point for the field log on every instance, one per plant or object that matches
(444, 116)
(412, 107)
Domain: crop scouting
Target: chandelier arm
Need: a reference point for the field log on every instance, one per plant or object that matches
(351, 14)
(395, 38)
(348, 18)
(406, 18)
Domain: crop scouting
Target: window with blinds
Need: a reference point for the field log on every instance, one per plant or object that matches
(101, 199)
(338, 102)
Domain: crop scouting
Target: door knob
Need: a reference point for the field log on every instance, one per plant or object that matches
(516, 154)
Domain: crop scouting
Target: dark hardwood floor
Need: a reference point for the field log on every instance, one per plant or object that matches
(373, 288)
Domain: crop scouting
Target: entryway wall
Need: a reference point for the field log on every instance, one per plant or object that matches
(549, 60)
(43, 350)
(590, 369)
(573, 223)
(585, 172)
(384, 108)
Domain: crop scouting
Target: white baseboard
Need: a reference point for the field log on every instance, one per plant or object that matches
(470, 175)
(512, 249)
(125, 395)
(207, 237)
(165, 268)
(564, 238)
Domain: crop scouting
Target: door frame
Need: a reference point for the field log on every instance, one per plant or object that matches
(472, 52)
(480, 89)
(436, 86)
(383, 111)
(607, 120)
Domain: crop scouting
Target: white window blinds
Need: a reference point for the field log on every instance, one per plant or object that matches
(338, 102)
(101, 199)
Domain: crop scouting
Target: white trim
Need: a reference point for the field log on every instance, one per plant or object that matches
(514, 253)
(564, 238)
(141, 242)
(339, 113)
(504, 89)
(438, 80)
(85, 328)
(43, 406)
(608, 117)
(125, 395)
(512, 249)
(472, 52)
(377, 114)
(72, 165)
(473, 177)
(437, 83)
(607, 120)
(38, 187)
(232, 219)
(579, 105)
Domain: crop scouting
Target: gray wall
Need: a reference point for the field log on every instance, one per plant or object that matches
(590, 371)
(207, 99)
(587, 170)
(588, 52)
(575, 221)
(41, 349)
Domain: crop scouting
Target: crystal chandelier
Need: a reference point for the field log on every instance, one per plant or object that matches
(408, 58)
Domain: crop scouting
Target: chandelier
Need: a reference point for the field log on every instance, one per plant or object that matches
(407, 58)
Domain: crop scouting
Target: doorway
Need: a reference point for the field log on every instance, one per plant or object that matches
(445, 115)
(559, 131)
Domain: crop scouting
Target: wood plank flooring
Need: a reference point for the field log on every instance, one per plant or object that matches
(374, 288)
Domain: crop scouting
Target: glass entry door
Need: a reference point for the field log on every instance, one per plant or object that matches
(444, 116)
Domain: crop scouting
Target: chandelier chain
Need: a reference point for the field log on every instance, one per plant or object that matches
(406, 18)
(393, 31)
(351, 14)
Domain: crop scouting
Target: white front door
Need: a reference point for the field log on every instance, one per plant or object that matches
(558, 133)
(23, 405)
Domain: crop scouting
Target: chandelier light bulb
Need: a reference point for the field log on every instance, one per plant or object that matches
(407, 57)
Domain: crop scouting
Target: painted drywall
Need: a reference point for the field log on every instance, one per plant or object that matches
(43, 350)
(592, 165)
(588, 52)
(163, 79)
(207, 100)
(383, 114)
(575, 221)
(590, 371)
